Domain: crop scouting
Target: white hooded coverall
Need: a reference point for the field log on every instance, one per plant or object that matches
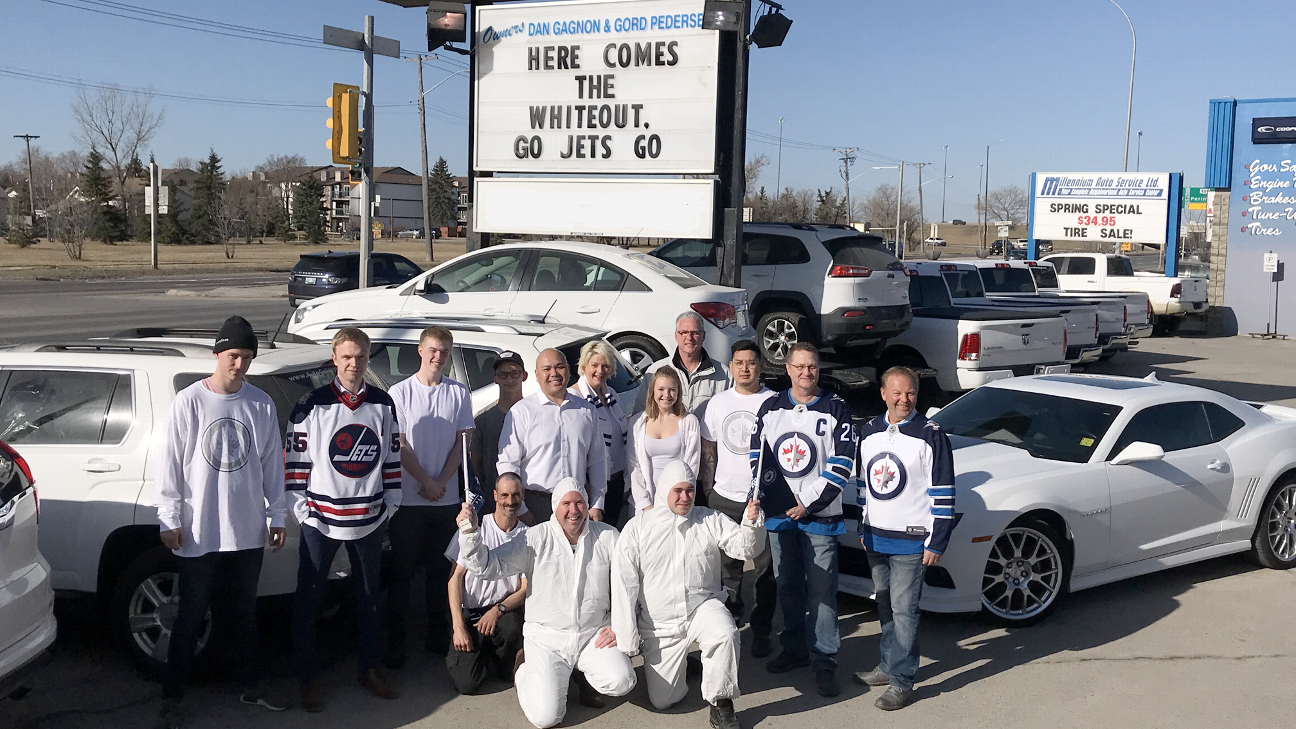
(668, 575)
(569, 597)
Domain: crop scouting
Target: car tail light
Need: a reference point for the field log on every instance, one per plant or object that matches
(1095, 326)
(26, 471)
(1124, 315)
(1150, 314)
(716, 312)
(1002, 265)
(1176, 291)
(910, 272)
(842, 270)
(1030, 263)
(1066, 341)
(948, 267)
(970, 347)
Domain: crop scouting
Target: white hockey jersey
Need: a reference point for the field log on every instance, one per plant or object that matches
(343, 472)
(809, 453)
(905, 486)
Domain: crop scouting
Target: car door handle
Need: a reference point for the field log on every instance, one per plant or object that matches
(588, 309)
(1217, 465)
(97, 465)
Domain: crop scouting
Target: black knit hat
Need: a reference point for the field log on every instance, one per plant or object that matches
(235, 333)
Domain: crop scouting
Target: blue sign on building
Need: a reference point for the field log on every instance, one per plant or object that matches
(1251, 154)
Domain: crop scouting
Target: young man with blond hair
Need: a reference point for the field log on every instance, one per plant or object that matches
(343, 477)
(435, 413)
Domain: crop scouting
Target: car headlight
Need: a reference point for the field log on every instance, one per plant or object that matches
(301, 313)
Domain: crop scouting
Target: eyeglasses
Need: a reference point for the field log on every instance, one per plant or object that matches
(688, 332)
(509, 375)
(804, 368)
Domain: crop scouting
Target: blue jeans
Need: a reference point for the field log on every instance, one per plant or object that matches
(805, 566)
(898, 581)
(317, 552)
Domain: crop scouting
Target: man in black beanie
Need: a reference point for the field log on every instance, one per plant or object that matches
(220, 502)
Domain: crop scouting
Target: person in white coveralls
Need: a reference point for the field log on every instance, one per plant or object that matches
(568, 565)
(667, 573)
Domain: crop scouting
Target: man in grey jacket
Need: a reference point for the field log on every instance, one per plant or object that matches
(701, 377)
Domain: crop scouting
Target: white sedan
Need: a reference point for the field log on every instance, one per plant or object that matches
(1065, 482)
(632, 296)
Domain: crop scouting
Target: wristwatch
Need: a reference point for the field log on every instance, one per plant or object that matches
(500, 606)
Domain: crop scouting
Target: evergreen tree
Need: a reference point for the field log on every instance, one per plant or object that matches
(308, 209)
(209, 187)
(443, 203)
(136, 169)
(108, 222)
(21, 234)
(281, 223)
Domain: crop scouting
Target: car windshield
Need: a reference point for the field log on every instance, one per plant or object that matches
(336, 265)
(1046, 426)
(1045, 277)
(964, 284)
(675, 274)
(1008, 280)
(862, 250)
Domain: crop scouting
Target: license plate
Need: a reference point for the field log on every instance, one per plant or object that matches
(1060, 369)
(308, 280)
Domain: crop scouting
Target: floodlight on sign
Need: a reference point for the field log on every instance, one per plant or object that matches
(447, 22)
(723, 15)
(771, 28)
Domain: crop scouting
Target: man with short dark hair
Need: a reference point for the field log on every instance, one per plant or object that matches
(343, 476)
(803, 453)
(726, 479)
(905, 490)
(508, 375)
(487, 614)
(435, 413)
(219, 481)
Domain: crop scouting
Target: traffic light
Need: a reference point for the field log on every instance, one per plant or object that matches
(345, 123)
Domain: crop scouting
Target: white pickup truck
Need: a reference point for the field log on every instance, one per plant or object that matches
(1138, 305)
(970, 346)
(1172, 296)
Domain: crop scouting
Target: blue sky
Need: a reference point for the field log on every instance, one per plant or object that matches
(896, 79)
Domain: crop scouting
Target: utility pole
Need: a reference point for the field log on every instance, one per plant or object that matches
(778, 176)
(944, 177)
(899, 207)
(985, 202)
(31, 189)
(1138, 153)
(155, 180)
(848, 156)
(922, 216)
(730, 258)
(427, 216)
(366, 159)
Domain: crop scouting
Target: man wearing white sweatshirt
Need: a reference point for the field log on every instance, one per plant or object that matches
(220, 479)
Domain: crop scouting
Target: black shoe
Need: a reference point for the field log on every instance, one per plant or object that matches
(894, 698)
(253, 697)
(761, 646)
(585, 693)
(171, 716)
(876, 677)
(826, 682)
(723, 716)
(787, 661)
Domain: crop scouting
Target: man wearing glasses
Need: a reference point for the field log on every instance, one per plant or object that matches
(701, 377)
(802, 455)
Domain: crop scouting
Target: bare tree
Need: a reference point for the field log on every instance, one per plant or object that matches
(186, 163)
(117, 123)
(1007, 203)
(248, 201)
(752, 171)
(281, 172)
(879, 210)
(71, 223)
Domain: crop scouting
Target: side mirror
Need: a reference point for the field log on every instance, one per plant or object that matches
(1138, 452)
(931, 412)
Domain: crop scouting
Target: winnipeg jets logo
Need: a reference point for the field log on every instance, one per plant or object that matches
(354, 450)
(796, 454)
(226, 444)
(736, 431)
(886, 476)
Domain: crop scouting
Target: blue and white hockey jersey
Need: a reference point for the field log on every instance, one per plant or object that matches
(809, 453)
(343, 472)
(905, 486)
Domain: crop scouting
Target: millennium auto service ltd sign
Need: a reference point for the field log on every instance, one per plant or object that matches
(1102, 207)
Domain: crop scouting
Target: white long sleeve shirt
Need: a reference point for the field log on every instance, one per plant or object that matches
(220, 470)
(670, 564)
(545, 442)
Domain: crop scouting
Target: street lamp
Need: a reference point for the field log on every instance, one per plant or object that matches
(985, 201)
(1129, 108)
(945, 172)
(778, 176)
(1138, 152)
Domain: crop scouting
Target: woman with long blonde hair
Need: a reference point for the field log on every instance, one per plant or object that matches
(662, 433)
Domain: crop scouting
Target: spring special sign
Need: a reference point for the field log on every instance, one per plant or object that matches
(595, 87)
(1101, 207)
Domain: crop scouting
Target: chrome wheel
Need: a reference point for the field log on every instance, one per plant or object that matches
(1023, 575)
(152, 613)
(1281, 521)
(641, 359)
(778, 337)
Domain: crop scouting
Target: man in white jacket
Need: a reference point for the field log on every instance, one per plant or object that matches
(667, 572)
(568, 565)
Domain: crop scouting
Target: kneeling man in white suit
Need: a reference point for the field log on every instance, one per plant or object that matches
(568, 565)
(668, 575)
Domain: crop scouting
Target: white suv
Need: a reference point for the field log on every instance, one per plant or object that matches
(27, 625)
(826, 284)
(632, 296)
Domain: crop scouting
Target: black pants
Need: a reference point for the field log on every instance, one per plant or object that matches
(230, 577)
(615, 500)
(540, 504)
(315, 558)
(762, 615)
(470, 669)
(419, 536)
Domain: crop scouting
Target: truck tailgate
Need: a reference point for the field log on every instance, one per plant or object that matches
(1079, 315)
(1008, 343)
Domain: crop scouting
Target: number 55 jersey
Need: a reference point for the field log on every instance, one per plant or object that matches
(343, 473)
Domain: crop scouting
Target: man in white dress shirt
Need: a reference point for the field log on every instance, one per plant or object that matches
(551, 435)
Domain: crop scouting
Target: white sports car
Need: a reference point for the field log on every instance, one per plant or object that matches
(1070, 481)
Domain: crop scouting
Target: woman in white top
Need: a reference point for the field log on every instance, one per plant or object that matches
(662, 433)
(598, 362)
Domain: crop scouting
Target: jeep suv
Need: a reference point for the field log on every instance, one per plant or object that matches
(829, 285)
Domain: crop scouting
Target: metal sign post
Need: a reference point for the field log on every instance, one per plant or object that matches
(1274, 268)
(369, 44)
(154, 179)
